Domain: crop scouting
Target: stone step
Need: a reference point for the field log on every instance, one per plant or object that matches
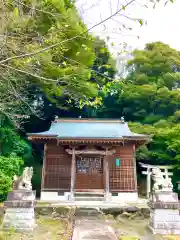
(89, 194)
(91, 198)
(83, 212)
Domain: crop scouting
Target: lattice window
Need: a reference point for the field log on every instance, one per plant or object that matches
(57, 171)
(56, 181)
(122, 178)
(89, 164)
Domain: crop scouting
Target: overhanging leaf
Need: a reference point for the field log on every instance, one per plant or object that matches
(140, 21)
(123, 7)
(16, 12)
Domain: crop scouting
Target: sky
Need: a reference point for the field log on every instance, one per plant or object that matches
(162, 22)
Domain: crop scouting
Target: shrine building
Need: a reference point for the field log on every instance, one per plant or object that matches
(89, 156)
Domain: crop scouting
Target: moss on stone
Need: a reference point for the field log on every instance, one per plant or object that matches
(129, 238)
(171, 237)
(47, 228)
(62, 210)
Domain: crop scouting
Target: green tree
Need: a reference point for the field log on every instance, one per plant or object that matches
(158, 63)
(46, 43)
(149, 98)
(102, 72)
(103, 69)
(29, 57)
(14, 152)
(10, 166)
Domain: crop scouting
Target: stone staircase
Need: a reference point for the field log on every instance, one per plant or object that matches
(89, 196)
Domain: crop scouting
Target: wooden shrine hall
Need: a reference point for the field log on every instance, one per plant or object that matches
(89, 156)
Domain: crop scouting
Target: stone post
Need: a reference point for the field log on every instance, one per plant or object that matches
(19, 211)
(165, 218)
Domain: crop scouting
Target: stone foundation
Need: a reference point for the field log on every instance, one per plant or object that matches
(124, 197)
(113, 197)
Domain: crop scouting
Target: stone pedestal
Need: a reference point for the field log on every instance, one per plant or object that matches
(165, 216)
(19, 211)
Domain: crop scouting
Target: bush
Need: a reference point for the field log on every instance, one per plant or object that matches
(5, 185)
(10, 166)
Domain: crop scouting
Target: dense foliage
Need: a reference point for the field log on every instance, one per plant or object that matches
(50, 65)
(44, 47)
(32, 83)
(149, 98)
(14, 151)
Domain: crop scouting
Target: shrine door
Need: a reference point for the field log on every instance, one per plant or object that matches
(89, 173)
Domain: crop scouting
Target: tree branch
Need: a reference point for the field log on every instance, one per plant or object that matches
(29, 73)
(67, 40)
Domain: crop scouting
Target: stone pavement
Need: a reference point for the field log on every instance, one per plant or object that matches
(93, 229)
(90, 225)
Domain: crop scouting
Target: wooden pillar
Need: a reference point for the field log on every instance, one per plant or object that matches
(134, 165)
(73, 173)
(107, 175)
(44, 167)
(148, 182)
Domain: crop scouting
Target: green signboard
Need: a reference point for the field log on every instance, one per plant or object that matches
(118, 162)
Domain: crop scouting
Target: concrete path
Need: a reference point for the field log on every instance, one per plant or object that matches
(92, 230)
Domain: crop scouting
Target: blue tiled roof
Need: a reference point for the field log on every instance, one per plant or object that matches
(89, 129)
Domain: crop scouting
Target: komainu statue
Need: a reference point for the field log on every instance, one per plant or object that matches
(160, 183)
(24, 181)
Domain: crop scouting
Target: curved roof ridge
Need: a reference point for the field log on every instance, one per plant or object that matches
(103, 120)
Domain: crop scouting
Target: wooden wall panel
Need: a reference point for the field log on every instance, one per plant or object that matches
(57, 169)
(122, 178)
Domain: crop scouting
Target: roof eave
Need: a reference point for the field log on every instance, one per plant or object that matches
(137, 137)
(64, 139)
(40, 136)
